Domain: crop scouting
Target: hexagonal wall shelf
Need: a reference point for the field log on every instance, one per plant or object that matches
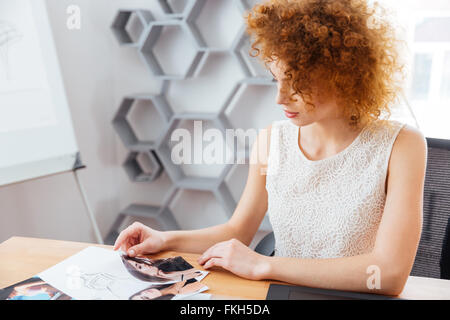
(206, 206)
(156, 44)
(176, 172)
(176, 12)
(143, 166)
(207, 34)
(251, 66)
(248, 4)
(189, 95)
(162, 214)
(125, 130)
(150, 43)
(265, 86)
(129, 25)
(220, 192)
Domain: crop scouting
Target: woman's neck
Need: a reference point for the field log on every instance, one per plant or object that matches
(327, 137)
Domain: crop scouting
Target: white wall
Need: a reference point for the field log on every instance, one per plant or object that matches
(97, 73)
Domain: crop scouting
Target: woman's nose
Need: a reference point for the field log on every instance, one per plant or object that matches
(282, 97)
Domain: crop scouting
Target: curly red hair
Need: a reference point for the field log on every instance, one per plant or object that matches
(344, 47)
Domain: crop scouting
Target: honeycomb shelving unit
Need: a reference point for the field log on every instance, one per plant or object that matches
(124, 18)
(158, 151)
(139, 173)
(124, 128)
(151, 36)
(176, 13)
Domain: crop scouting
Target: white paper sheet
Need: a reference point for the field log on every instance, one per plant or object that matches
(25, 97)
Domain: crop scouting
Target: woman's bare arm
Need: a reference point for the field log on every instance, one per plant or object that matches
(246, 218)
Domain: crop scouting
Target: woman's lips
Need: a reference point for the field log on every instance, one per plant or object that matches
(290, 114)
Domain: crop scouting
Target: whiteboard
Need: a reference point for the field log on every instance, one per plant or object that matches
(36, 133)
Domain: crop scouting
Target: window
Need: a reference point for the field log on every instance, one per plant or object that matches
(426, 26)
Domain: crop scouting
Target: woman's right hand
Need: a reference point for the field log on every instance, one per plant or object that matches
(139, 239)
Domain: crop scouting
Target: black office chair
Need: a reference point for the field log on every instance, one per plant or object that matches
(266, 245)
(433, 255)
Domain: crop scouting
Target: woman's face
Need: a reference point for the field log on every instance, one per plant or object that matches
(144, 268)
(33, 288)
(154, 271)
(148, 294)
(297, 111)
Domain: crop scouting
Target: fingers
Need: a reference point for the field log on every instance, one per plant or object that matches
(136, 250)
(218, 250)
(201, 260)
(129, 232)
(121, 238)
(215, 262)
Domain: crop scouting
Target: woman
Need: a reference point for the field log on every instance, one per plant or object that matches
(343, 188)
(32, 289)
(160, 270)
(169, 291)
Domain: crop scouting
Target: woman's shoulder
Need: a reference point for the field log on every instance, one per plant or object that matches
(400, 130)
(410, 139)
(409, 153)
(406, 141)
(383, 131)
(386, 125)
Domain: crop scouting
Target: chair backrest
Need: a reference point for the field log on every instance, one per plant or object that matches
(433, 255)
(266, 246)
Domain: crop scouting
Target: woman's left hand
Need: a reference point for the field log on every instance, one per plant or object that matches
(236, 257)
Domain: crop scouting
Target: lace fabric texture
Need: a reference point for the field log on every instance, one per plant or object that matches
(332, 207)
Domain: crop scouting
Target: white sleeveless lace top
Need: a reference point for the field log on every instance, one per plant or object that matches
(332, 207)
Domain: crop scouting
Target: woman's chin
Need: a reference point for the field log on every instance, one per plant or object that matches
(296, 121)
(301, 122)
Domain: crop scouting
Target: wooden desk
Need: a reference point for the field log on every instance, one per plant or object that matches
(22, 258)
